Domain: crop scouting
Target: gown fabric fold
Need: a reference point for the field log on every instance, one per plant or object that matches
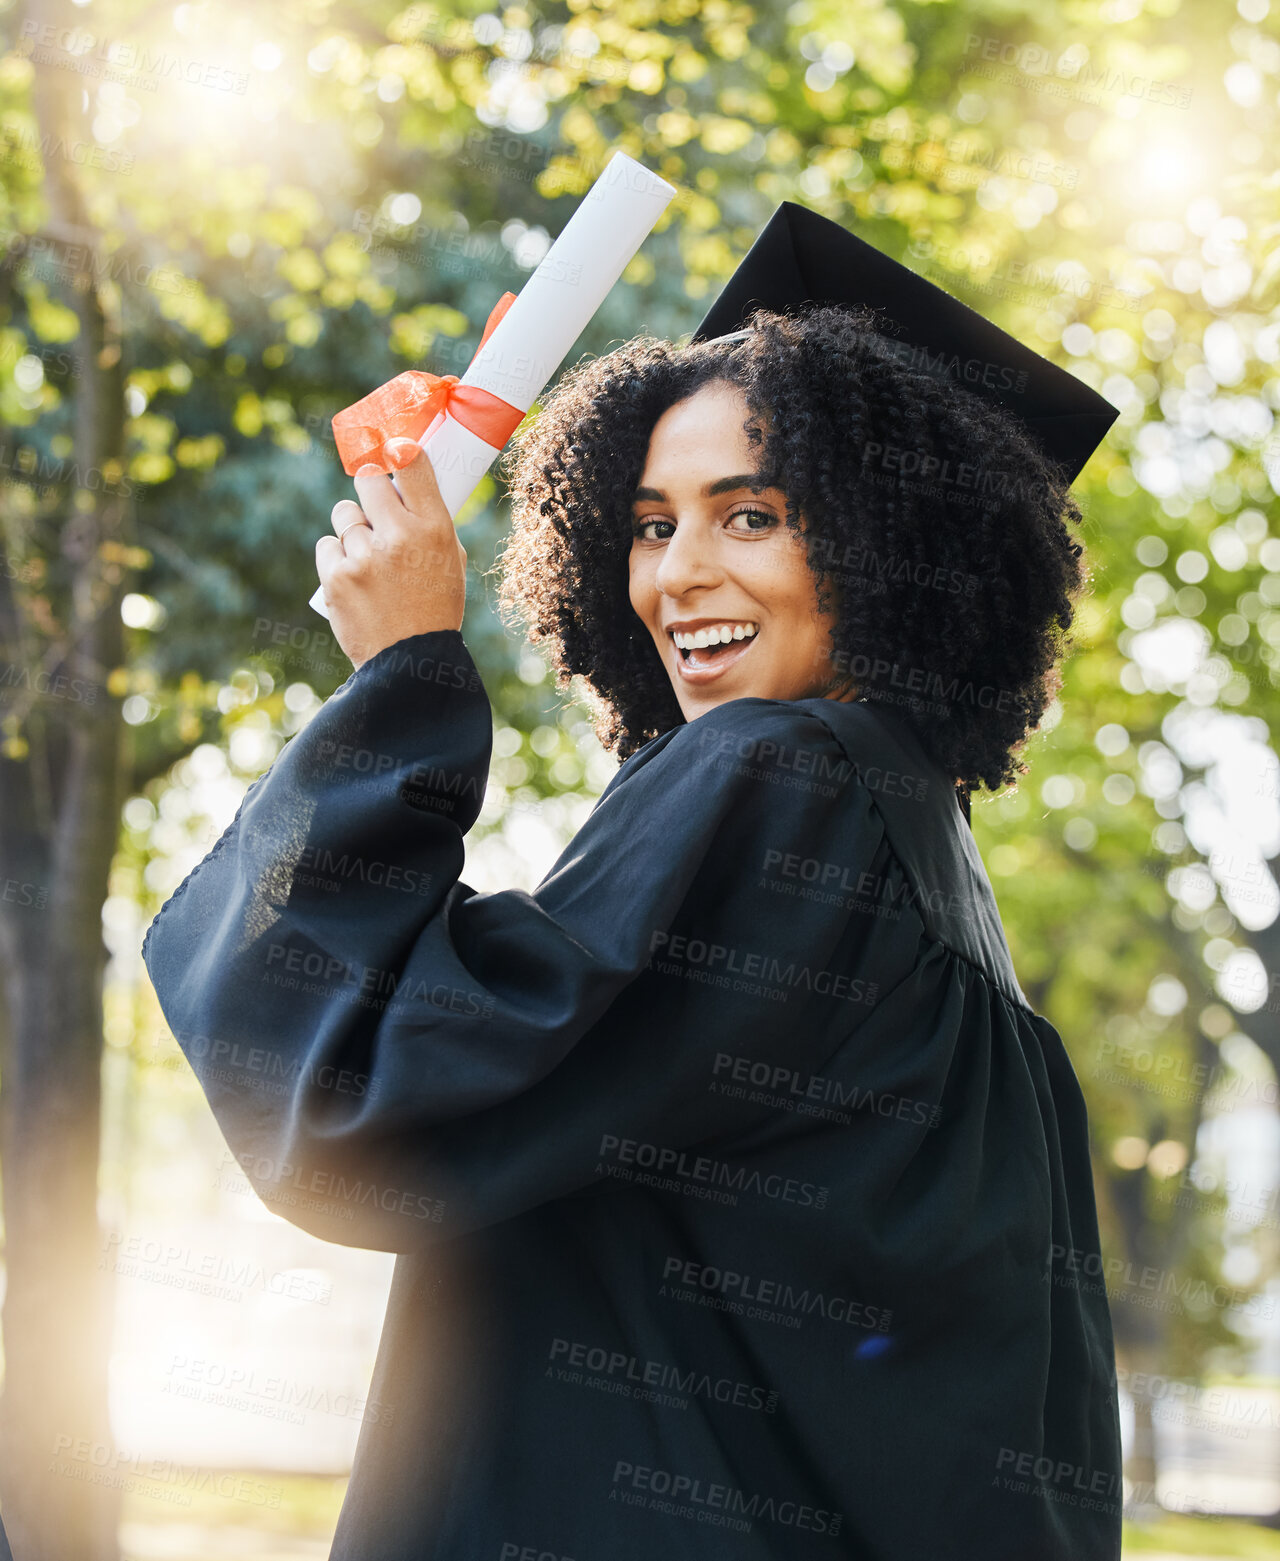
(742, 1203)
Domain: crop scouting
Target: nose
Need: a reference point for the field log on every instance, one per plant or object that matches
(688, 561)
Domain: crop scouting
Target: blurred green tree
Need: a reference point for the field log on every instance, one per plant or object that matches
(219, 229)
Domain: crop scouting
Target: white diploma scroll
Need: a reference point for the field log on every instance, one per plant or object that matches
(550, 312)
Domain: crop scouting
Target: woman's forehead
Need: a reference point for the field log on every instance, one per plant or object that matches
(709, 424)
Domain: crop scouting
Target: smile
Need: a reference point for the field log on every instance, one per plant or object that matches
(708, 651)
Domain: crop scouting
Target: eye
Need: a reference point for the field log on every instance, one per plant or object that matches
(764, 517)
(641, 530)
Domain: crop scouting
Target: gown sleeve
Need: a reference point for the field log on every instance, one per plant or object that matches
(395, 1059)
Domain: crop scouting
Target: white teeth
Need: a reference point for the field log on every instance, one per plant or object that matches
(719, 634)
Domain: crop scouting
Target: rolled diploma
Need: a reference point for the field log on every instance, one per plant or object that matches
(550, 312)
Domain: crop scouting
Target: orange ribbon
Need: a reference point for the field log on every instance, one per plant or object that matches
(406, 406)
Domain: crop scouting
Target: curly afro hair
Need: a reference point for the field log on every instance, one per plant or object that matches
(935, 529)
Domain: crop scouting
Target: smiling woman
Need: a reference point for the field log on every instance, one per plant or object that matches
(721, 584)
(945, 595)
(743, 1203)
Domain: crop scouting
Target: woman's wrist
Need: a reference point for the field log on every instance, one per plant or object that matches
(427, 638)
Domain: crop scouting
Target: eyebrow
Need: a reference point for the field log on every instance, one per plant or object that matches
(756, 481)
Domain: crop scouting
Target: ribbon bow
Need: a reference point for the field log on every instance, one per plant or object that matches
(407, 405)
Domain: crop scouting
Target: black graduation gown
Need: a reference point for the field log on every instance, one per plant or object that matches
(743, 1204)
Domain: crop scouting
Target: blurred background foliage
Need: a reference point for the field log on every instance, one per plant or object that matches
(265, 214)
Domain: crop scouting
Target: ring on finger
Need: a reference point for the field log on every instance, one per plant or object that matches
(359, 521)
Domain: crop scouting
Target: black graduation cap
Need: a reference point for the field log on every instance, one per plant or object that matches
(802, 255)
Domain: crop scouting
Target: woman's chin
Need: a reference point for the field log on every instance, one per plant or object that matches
(697, 698)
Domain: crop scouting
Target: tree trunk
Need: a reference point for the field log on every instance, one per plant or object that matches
(60, 797)
(1142, 1466)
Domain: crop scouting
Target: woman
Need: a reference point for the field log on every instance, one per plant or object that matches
(742, 1201)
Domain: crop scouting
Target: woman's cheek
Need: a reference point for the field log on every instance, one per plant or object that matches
(639, 591)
